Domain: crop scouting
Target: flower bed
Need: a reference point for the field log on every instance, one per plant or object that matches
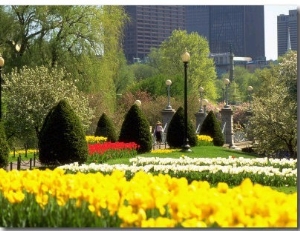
(56, 199)
(95, 139)
(230, 170)
(101, 152)
(204, 140)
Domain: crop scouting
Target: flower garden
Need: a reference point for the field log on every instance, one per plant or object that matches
(151, 191)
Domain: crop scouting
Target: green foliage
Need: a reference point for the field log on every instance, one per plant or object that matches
(201, 69)
(135, 128)
(4, 148)
(143, 71)
(175, 133)
(62, 139)
(156, 86)
(273, 123)
(106, 128)
(72, 37)
(211, 127)
(31, 92)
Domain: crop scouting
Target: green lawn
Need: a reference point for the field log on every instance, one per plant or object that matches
(13, 158)
(197, 152)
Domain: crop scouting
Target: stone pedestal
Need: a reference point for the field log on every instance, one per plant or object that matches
(200, 116)
(227, 117)
(167, 115)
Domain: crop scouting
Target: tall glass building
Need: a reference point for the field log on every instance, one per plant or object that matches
(241, 26)
(149, 26)
(287, 32)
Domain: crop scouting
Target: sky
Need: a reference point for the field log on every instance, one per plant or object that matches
(273, 8)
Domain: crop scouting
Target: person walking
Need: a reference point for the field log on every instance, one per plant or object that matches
(158, 132)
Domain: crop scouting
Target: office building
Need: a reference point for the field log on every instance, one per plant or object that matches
(241, 26)
(149, 26)
(287, 32)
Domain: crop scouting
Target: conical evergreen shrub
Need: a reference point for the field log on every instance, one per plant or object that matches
(4, 148)
(106, 128)
(62, 138)
(212, 127)
(136, 128)
(175, 133)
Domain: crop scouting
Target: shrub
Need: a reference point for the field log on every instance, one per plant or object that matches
(135, 128)
(175, 133)
(106, 128)
(211, 127)
(62, 139)
(4, 148)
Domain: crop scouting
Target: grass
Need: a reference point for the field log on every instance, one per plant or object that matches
(13, 158)
(197, 152)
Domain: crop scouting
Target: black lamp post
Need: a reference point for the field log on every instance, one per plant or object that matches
(1, 65)
(185, 59)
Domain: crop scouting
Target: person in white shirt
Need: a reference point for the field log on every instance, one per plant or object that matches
(158, 132)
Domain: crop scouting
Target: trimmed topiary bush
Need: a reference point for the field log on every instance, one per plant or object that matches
(211, 127)
(135, 128)
(4, 148)
(175, 133)
(106, 128)
(62, 139)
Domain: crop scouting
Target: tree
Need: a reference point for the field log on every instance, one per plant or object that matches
(4, 148)
(201, 69)
(135, 128)
(85, 40)
(105, 128)
(238, 90)
(156, 86)
(62, 139)
(274, 121)
(31, 93)
(175, 133)
(211, 127)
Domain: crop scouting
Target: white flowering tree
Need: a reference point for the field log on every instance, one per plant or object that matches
(31, 92)
(274, 119)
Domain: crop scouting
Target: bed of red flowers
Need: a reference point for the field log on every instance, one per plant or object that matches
(101, 152)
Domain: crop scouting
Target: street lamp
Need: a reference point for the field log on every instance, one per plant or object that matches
(201, 90)
(168, 83)
(205, 102)
(185, 57)
(1, 65)
(250, 89)
(226, 82)
(138, 102)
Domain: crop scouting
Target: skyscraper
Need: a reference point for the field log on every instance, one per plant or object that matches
(149, 26)
(241, 26)
(287, 32)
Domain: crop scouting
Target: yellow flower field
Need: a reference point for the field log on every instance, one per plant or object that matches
(155, 201)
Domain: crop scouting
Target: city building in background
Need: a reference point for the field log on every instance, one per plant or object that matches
(241, 26)
(287, 32)
(148, 27)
